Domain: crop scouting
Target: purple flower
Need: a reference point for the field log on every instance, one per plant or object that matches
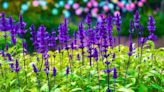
(117, 21)
(52, 43)
(12, 67)
(88, 21)
(130, 45)
(67, 70)
(9, 57)
(151, 28)
(42, 40)
(113, 56)
(75, 37)
(95, 54)
(4, 23)
(143, 40)
(35, 69)
(107, 63)
(54, 71)
(136, 19)
(114, 73)
(109, 29)
(78, 57)
(131, 27)
(21, 24)
(81, 35)
(34, 36)
(17, 68)
(151, 24)
(152, 37)
(107, 71)
(46, 69)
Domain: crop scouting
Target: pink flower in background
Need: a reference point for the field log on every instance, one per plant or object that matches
(79, 11)
(94, 12)
(35, 3)
(75, 6)
(121, 5)
(116, 13)
(95, 4)
(128, 7)
(106, 9)
(140, 4)
(67, 6)
(132, 5)
(89, 4)
(86, 9)
(143, 1)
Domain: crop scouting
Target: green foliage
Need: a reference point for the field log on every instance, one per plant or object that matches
(84, 78)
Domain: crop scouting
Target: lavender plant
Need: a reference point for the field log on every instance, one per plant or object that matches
(77, 56)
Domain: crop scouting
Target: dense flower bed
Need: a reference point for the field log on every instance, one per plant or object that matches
(93, 60)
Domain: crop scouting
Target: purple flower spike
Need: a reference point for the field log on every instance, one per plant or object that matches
(114, 73)
(81, 35)
(117, 21)
(130, 45)
(54, 71)
(152, 37)
(17, 68)
(78, 57)
(151, 27)
(4, 23)
(113, 56)
(107, 63)
(107, 71)
(67, 70)
(88, 21)
(95, 54)
(21, 25)
(35, 69)
(9, 57)
(151, 24)
(131, 27)
(136, 19)
(143, 40)
(46, 69)
(12, 67)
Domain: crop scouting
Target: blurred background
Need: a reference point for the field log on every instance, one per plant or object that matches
(52, 12)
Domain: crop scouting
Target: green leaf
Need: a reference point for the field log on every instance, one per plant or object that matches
(142, 88)
(125, 90)
(76, 89)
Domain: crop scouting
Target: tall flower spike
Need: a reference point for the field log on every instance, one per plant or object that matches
(151, 28)
(136, 19)
(54, 71)
(117, 21)
(88, 21)
(131, 27)
(35, 69)
(67, 70)
(17, 68)
(151, 24)
(81, 35)
(22, 26)
(46, 69)
(130, 45)
(42, 39)
(95, 54)
(78, 57)
(4, 23)
(114, 73)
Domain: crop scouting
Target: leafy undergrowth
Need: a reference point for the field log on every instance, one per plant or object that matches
(83, 77)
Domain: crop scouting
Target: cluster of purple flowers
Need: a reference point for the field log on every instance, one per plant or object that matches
(96, 39)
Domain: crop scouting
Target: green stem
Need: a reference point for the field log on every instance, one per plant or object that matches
(18, 82)
(128, 63)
